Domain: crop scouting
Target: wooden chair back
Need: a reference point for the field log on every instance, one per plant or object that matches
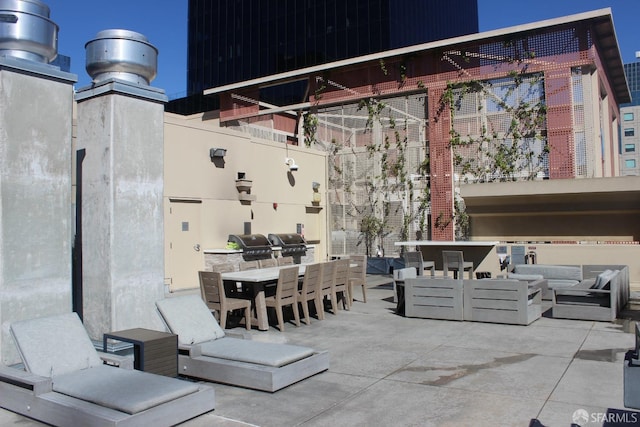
(287, 287)
(327, 282)
(223, 268)
(267, 262)
(311, 282)
(248, 265)
(414, 259)
(211, 289)
(452, 260)
(285, 260)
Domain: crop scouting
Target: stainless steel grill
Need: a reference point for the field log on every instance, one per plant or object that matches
(254, 246)
(292, 244)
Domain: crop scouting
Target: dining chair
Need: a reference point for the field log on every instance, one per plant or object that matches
(267, 262)
(341, 282)
(286, 294)
(248, 265)
(326, 288)
(310, 289)
(358, 275)
(454, 261)
(285, 260)
(222, 268)
(213, 294)
(414, 259)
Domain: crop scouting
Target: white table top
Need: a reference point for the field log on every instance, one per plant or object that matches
(446, 243)
(261, 274)
(268, 274)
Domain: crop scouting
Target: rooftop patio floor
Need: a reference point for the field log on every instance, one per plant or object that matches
(391, 370)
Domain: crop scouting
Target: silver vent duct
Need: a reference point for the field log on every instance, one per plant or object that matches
(121, 54)
(26, 31)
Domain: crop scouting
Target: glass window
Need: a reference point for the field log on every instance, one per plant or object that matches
(629, 132)
(628, 117)
(630, 163)
(629, 148)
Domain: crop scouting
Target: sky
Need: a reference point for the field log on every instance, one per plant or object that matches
(164, 24)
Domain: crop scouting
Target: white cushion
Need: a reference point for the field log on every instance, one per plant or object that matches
(527, 277)
(121, 389)
(189, 317)
(562, 272)
(405, 273)
(604, 278)
(54, 345)
(258, 352)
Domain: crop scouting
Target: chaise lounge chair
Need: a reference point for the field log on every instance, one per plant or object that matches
(206, 353)
(66, 383)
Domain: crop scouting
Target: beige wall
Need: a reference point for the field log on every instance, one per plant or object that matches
(190, 174)
(559, 226)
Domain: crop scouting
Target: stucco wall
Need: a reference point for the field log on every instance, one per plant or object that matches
(191, 174)
(558, 226)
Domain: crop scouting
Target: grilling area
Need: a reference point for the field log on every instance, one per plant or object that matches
(255, 247)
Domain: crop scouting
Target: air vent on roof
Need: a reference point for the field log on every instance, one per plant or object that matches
(121, 54)
(26, 32)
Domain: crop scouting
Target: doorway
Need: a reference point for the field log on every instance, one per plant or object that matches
(183, 254)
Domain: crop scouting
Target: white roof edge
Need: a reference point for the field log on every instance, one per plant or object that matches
(410, 49)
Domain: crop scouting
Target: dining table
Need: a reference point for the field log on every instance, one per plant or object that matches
(255, 281)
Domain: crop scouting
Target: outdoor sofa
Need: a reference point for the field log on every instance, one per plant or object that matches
(509, 301)
(433, 298)
(204, 352)
(557, 276)
(64, 382)
(485, 300)
(600, 296)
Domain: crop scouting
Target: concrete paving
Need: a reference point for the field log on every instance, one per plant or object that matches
(390, 370)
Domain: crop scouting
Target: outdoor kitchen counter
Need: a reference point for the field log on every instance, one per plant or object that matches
(239, 251)
(230, 251)
(234, 256)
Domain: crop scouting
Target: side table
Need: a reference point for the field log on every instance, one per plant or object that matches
(153, 351)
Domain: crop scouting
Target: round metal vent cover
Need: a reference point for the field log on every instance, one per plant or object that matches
(26, 31)
(121, 54)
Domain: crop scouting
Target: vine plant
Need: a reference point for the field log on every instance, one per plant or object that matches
(392, 180)
(506, 155)
(517, 152)
(388, 181)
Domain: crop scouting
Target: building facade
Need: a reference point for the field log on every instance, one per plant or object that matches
(630, 130)
(236, 40)
(408, 127)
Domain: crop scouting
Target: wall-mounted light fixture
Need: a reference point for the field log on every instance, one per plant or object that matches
(217, 153)
(291, 163)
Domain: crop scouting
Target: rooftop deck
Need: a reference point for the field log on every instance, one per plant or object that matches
(390, 370)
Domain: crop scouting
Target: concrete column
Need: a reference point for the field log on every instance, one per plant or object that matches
(120, 125)
(36, 104)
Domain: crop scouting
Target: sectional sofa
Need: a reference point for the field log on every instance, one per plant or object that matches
(587, 292)
(486, 300)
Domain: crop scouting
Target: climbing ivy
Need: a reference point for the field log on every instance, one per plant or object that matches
(310, 128)
(392, 179)
(517, 152)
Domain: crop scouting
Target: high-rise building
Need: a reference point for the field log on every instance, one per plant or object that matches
(237, 40)
(630, 129)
